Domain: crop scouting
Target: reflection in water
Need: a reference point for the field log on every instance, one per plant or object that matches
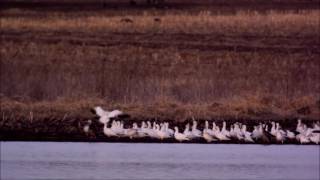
(43, 160)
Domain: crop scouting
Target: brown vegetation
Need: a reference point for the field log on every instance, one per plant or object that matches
(241, 24)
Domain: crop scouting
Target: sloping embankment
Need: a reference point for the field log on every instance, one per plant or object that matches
(65, 121)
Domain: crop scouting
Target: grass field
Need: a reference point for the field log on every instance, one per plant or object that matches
(252, 61)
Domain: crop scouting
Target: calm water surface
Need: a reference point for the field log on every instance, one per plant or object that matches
(60, 160)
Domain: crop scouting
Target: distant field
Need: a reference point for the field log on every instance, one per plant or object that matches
(246, 60)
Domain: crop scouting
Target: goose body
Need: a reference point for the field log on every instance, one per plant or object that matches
(208, 137)
(179, 136)
(108, 132)
(86, 128)
(290, 134)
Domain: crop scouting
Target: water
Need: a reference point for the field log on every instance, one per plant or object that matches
(51, 160)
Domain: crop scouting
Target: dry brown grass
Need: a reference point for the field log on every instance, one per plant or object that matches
(69, 69)
(242, 23)
(164, 83)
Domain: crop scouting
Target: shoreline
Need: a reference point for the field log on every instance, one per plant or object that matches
(75, 133)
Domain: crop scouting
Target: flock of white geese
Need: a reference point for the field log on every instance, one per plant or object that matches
(237, 132)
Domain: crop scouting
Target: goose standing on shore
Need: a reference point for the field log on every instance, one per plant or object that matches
(187, 131)
(247, 135)
(179, 136)
(196, 133)
(108, 131)
(86, 128)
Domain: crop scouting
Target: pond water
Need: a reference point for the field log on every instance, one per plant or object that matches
(62, 160)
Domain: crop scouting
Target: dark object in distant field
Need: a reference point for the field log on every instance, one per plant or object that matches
(126, 20)
(158, 20)
(304, 110)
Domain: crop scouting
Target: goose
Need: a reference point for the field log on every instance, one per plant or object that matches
(265, 136)
(160, 132)
(280, 137)
(179, 136)
(187, 131)
(256, 134)
(115, 113)
(99, 111)
(207, 130)
(108, 132)
(170, 131)
(210, 131)
(316, 126)
(105, 116)
(131, 132)
(279, 128)
(290, 134)
(300, 127)
(224, 130)
(196, 133)
(86, 128)
(104, 119)
(167, 133)
(142, 132)
(315, 138)
(247, 135)
(238, 134)
(208, 137)
(219, 135)
(117, 127)
(303, 139)
(273, 129)
(152, 130)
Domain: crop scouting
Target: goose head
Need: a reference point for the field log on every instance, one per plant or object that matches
(176, 130)
(206, 125)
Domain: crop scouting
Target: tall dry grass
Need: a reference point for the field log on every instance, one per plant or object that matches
(169, 82)
(273, 23)
(167, 78)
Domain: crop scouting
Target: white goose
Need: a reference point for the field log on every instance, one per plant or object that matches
(301, 128)
(207, 136)
(224, 130)
(160, 132)
(179, 136)
(256, 134)
(196, 133)
(117, 127)
(247, 135)
(220, 135)
(170, 131)
(86, 128)
(105, 116)
(277, 132)
(108, 132)
(131, 132)
(315, 138)
(187, 131)
(290, 134)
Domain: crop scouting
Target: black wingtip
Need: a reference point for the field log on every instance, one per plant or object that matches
(93, 111)
(124, 116)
